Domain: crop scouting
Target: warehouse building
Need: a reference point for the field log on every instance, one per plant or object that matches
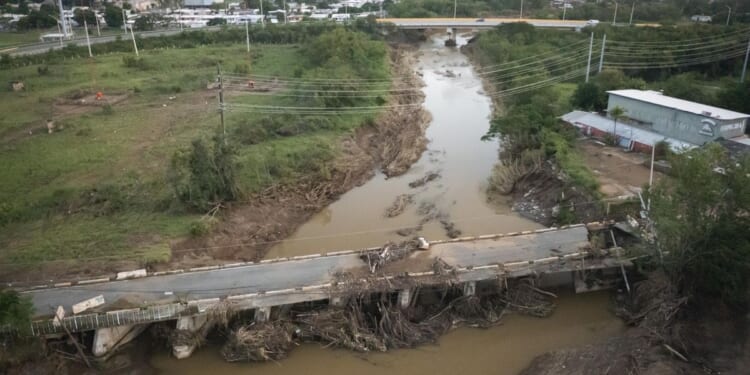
(687, 121)
(650, 117)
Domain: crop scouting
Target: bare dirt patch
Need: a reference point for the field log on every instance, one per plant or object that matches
(619, 172)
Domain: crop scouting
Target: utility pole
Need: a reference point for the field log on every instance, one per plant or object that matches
(284, 2)
(729, 14)
(455, 5)
(247, 36)
(135, 45)
(614, 18)
(520, 15)
(262, 16)
(98, 31)
(124, 22)
(221, 102)
(88, 41)
(565, 8)
(601, 58)
(62, 19)
(744, 66)
(588, 66)
(632, 10)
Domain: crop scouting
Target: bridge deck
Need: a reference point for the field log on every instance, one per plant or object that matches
(266, 277)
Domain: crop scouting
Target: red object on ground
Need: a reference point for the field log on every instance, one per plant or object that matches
(99, 95)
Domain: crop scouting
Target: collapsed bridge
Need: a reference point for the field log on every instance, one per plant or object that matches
(557, 256)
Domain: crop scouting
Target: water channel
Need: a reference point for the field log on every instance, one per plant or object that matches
(460, 113)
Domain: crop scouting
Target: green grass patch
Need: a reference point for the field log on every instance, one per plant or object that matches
(570, 161)
(97, 187)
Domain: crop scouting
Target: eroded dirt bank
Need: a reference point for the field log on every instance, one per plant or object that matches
(391, 144)
(667, 335)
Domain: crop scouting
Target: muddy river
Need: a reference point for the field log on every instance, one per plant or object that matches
(460, 116)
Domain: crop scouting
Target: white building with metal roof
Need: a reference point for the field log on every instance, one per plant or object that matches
(678, 119)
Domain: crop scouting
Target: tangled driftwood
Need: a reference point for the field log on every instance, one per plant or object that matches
(259, 342)
(365, 325)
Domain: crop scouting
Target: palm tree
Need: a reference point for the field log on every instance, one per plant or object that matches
(617, 113)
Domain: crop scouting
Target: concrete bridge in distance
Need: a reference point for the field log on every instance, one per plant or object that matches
(188, 296)
(478, 23)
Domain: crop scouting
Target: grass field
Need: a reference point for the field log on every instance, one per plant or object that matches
(97, 187)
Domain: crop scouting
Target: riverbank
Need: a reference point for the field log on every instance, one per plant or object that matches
(539, 172)
(389, 144)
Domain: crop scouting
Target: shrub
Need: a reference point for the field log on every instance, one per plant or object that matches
(15, 310)
(42, 70)
(107, 110)
(135, 62)
(203, 177)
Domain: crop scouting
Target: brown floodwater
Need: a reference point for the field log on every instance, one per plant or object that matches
(460, 116)
(500, 350)
(460, 113)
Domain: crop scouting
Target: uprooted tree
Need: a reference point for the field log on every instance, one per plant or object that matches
(702, 216)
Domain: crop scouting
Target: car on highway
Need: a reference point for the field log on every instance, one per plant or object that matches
(479, 20)
(592, 22)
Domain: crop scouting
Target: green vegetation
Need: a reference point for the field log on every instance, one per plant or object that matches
(15, 311)
(99, 186)
(702, 223)
(646, 10)
(529, 124)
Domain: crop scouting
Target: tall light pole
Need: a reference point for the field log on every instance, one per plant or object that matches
(632, 10)
(455, 5)
(729, 14)
(284, 12)
(614, 18)
(520, 15)
(565, 8)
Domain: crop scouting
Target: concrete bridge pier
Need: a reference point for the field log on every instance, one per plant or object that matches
(262, 314)
(338, 301)
(470, 288)
(107, 340)
(197, 325)
(405, 297)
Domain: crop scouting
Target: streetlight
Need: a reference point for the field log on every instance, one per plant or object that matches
(632, 10)
(614, 18)
(564, 9)
(728, 14)
(520, 16)
(455, 4)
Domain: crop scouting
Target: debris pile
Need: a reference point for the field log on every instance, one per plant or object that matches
(259, 342)
(388, 253)
(367, 324)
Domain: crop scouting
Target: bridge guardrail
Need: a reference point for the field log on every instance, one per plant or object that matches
(108, 278)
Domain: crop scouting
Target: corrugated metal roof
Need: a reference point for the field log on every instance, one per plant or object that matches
(655, 97)
(646, 137)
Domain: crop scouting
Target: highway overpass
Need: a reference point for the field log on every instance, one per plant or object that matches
(477, 23)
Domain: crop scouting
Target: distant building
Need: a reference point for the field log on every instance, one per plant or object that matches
(650, 117)
(201, 3)
(701, 18)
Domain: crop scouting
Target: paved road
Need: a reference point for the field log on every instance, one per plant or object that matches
(421, 23)
(37, 48)
(307, 272)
